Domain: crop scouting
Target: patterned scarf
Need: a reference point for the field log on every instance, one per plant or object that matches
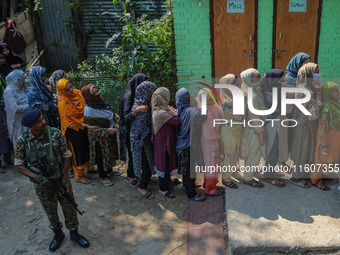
(56, 76)
(98, 113)
(142, 125)
(37, 91)
(71, 107)
(95, 102)
(128, 96)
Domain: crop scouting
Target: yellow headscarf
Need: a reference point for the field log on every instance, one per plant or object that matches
(71, 107)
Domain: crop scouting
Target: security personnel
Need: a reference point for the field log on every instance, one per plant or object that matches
(47, 146)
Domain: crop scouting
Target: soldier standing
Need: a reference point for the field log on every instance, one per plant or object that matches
(46, 146)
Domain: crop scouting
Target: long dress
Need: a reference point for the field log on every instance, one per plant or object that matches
(230, 135)
(251, 148)
(39, 96)
(16, 104)
(276, 142)
(71, 111)
(304, 134)
(328, 134)
(211, 147)
(140, 135)
(126, 119)
(4, 143)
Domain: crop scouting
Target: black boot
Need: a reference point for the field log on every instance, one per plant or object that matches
(79, 239)
(57, 239)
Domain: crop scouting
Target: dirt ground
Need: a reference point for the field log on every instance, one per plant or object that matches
(118, 220)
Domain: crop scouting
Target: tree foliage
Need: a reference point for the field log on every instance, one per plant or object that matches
(146, 46)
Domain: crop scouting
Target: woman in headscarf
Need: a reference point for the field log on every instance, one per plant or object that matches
(276, 135)
(4, 143)
(304, 134)
(210, 141)
(164, 120)
(293, 67)
(5, 68)
(100, 120)
(41, 97)
(14, 61)
(185, 143)
(71, 106)
(2, 81)
(126, 118)
(327, 149)
(16, 104)
(15, 39)
(140, 136)
(230, 135)
(253, 141)
(292, 70)
(56, 76)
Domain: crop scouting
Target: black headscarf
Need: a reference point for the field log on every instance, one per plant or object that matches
(5, 68)
(11, 59)
(128, 96)
(272, 80)
(125, 115)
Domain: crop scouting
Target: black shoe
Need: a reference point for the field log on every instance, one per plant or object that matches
(56, 241)
(8, 158)
(79, 239)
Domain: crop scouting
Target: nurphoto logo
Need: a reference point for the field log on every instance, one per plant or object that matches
(239, 106)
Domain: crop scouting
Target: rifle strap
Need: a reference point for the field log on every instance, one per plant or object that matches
(50, 155)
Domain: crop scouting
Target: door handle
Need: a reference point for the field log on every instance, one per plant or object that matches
(249, 52)
(278, 53)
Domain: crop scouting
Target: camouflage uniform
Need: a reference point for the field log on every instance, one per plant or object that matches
(31, 149)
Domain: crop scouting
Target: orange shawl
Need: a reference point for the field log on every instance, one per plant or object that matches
(71, 107)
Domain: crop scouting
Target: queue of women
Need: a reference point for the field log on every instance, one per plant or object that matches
(157, 139)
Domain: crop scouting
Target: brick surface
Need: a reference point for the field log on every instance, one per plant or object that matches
(329, 47)
(192, 34)
(265, 31)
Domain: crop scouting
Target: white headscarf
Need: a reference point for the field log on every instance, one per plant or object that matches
(15, 80)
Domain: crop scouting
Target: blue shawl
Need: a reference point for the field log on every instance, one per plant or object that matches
(183, 100)
(36, 89)
(293, 67)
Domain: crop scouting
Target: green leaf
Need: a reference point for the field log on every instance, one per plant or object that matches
(128, 26)
(115, 3)
(132, 62)
(114, 37)
(109, 13)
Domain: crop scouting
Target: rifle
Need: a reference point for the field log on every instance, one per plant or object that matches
(57, 186)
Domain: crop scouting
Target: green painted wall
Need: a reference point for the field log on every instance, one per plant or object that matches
(329, 47)
(192, 35)
(265, 35)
